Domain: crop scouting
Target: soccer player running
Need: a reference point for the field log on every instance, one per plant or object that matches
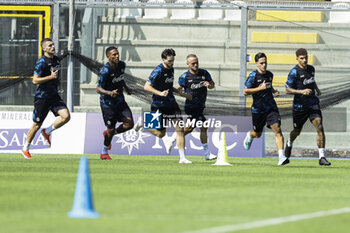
(46, 96)
(196, 81)
(110, 86)
(301, 83)
(160, 84)
(264, 108)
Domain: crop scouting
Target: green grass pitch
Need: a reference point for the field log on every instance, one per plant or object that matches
(156, 194)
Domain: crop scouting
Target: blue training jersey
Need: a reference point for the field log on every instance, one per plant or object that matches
(300, 79)
(112, 78)
(194, 84)
(263, 101)
(42, 69)
(162, 79)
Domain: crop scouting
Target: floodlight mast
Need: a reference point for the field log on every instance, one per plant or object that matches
(70, 73)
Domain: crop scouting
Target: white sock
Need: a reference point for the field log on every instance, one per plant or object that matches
(26, 146)
(104, 149)
(289, 143)
(182, 154)
(50, 129)
(321, 152)
(281, 153)
(206, 149)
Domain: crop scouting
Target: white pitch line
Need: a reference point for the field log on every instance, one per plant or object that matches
(271, 221)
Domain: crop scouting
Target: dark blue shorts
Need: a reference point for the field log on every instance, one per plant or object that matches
(195, 113)
(112, 115)
(42, 106)
(299, 118)
(172, 112)
(168, 113)
(268, 119)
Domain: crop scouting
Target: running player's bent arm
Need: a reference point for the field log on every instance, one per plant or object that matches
(40, 80)
(251, 91)
(318, 91)
(148, 87)
(100, 90)
(275, 92)
(179, 90)
(298, 92)
(211, 84)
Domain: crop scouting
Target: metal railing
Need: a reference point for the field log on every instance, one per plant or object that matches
(282, 5)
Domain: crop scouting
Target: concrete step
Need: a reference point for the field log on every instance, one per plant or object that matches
(285, 37)
(282, 59)
(328, 33)
(177, 29)
(294, 16)
(149, 51)
(219, 30)
(224, 52)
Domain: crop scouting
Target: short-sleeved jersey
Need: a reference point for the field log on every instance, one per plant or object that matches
(194, 84)
(42, 69)
(300, 79)
(112, 78)
(263, 101)
(162, 79)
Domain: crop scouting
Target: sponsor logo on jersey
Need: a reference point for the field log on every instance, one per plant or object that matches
(169, 80)
(197, 85)
(309, 81)
(118, 79)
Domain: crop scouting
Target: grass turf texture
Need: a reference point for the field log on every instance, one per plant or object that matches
(156, 194)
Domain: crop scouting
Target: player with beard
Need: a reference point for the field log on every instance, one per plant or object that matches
(160, 84)
(196, 81)
(301, 83)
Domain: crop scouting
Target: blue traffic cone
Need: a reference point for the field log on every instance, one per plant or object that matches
(82, 204)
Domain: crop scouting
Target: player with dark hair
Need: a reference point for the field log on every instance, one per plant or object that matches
(160, 84)
(46, 96)
(301, 83)
(264, 108)
(196, 81)
(114, 108)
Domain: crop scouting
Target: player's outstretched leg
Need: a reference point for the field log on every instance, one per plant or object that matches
(204, 141)
(321, 141)
(276, 128)
(30, 136)
(288, 149)
(180, 141)
(289, 144)
(104, 135)
(64, 117)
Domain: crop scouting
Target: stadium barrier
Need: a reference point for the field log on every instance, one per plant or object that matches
(83, 135)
